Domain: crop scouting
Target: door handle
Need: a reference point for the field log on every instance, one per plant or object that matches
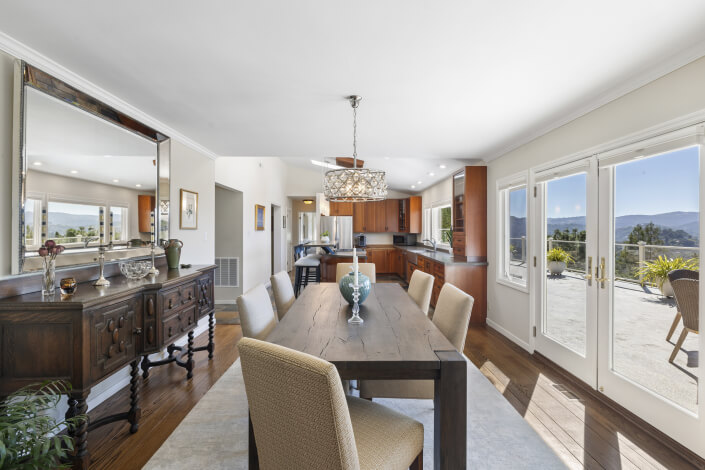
(602, 279)
(588, 276)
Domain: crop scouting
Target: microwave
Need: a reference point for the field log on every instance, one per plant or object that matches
(405, 239)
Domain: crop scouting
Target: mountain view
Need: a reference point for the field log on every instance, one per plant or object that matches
(670, 223)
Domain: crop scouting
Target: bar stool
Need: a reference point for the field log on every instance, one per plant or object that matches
(303, 266)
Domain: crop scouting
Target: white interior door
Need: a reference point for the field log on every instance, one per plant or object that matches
(660, 182)
(566, 301)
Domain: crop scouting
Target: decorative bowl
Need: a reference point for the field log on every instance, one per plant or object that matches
(134, 270)
(347, 291)
(68, 286)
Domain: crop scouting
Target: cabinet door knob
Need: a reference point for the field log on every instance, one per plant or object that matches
(169, 303)
(111, 326)
(137, 331)
(121, 322)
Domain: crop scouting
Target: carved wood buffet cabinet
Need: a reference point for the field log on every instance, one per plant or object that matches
(86, 338)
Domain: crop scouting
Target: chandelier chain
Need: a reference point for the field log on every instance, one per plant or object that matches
(354, 137)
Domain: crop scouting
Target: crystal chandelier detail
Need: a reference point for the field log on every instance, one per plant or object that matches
(355, 184)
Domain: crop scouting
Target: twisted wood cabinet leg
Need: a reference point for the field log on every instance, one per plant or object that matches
(133, 416)
(189, 361)
(79, 432)
(211, 334)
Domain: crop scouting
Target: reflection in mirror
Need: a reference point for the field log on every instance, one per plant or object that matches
(80, 170)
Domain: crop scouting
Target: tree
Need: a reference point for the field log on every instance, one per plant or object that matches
(71, 233)
(648, 233)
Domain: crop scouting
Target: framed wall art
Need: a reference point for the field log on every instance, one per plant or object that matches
(259, 217)
(188, 213)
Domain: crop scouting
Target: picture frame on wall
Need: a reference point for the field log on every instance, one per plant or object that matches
(259, 217)
(188, 212)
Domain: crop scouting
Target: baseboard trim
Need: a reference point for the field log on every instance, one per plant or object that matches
(649, 429)
(510, 336)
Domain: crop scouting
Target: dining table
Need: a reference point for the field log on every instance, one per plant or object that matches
(396, 341)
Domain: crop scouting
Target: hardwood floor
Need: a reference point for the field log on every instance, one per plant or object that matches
(165, 400)
(582, 431)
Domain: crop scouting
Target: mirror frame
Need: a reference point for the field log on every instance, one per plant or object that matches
(27, 75)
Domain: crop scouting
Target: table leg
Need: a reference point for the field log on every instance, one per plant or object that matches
(133, 416)
(252, 446)
(211, 334)
(78, 406)
(450, 412)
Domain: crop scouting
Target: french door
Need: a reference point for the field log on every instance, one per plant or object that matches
(603, 318)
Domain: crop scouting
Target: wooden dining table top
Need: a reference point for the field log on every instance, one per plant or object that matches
(396, 340)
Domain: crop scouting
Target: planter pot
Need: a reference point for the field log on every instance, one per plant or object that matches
(556, 267)
(325, 239)
(666, 289)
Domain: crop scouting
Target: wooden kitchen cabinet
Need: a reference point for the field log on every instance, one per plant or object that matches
(359, 209)
(391, 215)
(470, 213)
(380, 258)
(388, 216)
(145, 207)
(341, 208)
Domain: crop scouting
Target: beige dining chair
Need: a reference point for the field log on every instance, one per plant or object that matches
(452, 317)
(302, 419)
(256, 313)
(368, 269)
(283, 292)
(420, 289)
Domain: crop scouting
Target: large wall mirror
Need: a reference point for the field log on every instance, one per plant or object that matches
(80, 162)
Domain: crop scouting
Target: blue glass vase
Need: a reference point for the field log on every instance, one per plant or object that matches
(347, 290)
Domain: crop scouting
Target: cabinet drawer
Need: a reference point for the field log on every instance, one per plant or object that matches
(458, 238)
(178, 324)
(459, 250)
(438, 269)
(177, 297)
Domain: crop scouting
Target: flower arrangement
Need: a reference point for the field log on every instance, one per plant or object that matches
(49, 251)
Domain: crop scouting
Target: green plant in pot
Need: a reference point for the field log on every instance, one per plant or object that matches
(656, 272)
(29, 435)
(325, 237)
(558, 260)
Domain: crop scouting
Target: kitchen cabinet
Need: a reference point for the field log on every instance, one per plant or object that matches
(388, 216)
(359, 209)
(410, 215)
(341, 208)
(380, 258)
(391, 215)
(470, 213)
(145, 207)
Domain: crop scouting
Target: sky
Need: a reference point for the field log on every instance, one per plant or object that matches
(664, 183)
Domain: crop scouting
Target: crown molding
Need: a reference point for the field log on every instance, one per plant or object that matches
(654, 73)
(15, 48)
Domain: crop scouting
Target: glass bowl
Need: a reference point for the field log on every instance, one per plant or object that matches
(134, 270)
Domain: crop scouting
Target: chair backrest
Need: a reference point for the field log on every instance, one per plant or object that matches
(368, 269)
(420, 289)
(687, 292)
(298, 252)
(298, 409)
(452, 315)
(256, 313)
(683, 274)
(283, 292)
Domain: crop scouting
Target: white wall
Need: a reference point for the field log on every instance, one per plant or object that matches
(228, 235)
(672, 96)
(6, 87)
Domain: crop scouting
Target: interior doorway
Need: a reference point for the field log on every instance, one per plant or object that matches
(277, 238)
(228, 244)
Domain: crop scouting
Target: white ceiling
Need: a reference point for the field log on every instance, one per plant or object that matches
(458, 79)
(63, 140)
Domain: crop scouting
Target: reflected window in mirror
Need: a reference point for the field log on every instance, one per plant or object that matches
(33, 223)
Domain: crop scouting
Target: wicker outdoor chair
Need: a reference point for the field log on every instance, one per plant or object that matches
(686, 285)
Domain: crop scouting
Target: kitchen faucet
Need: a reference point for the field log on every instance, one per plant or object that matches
(88, 240)
(432, 241)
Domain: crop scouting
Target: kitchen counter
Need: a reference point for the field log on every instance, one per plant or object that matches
(446, 258)
(346, 254)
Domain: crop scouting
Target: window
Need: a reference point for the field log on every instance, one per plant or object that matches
(120, 224)
(32, 223)
(437, 224)
(73, 224)
(512, 246)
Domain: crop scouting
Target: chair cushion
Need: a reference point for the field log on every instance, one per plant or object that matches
(384, 438)
(308, 261)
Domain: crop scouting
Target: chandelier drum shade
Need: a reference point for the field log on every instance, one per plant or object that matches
(355, 184)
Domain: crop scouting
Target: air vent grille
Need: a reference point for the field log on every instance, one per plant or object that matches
(227, 273)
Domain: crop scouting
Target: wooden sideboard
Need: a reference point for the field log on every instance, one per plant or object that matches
(86, 338)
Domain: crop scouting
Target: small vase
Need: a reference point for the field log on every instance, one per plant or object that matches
(48, 277)
(346, 289)
(173, 253)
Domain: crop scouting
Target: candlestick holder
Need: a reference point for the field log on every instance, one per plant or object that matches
(101, 263)
(355, 319)
(153, 271)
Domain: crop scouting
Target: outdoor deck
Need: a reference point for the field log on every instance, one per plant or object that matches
(642, 318)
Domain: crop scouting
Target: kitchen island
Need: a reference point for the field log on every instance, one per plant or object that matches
(330, 261)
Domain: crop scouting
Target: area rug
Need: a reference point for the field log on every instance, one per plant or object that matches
(214, 434)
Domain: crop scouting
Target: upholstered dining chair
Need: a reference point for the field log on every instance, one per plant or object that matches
(283, 292)
(420, 289)
(452, 317)
(680, 274)
(302, 419)
(686, 290)
(368, 269)
(256, 313)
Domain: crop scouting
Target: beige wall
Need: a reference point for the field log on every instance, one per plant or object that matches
(670, 97)
(228, 236)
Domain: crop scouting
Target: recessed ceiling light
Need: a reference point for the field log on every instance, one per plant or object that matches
(432, 174)
(441, 166)
(37, 163)
(73, 172)
(412, 186)
(138, 185)
(116, 181)
(419, 182)
(326, 165)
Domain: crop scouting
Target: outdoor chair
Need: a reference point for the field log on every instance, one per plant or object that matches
(686, 285)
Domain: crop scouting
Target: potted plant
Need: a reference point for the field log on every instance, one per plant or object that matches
(558, 260)
(29, 435)
(325, 237)
(657, 271)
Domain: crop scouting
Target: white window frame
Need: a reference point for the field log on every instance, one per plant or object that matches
(37, 221)
(504, 187)
(430, 220)
(125, 233)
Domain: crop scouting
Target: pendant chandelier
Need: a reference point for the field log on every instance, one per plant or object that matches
(355, 184)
